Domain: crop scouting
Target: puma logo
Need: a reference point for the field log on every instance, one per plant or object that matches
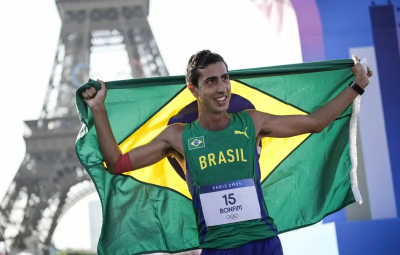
(242, 133)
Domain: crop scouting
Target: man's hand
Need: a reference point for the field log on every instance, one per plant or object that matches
(362, 78)
(95, 98)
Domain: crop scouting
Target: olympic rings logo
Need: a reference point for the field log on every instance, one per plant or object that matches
(232, 216)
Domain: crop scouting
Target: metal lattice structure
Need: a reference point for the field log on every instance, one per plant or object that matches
(51, 179)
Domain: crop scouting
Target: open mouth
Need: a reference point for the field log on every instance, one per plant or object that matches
(221, 99)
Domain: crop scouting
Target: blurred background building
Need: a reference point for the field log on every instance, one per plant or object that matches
(95, 218)
(47, 199)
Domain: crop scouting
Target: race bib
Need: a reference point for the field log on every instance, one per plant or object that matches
(229, 202)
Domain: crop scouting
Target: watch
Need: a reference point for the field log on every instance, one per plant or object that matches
(356, 87)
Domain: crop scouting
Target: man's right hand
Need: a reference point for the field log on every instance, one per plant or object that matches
(95, 98)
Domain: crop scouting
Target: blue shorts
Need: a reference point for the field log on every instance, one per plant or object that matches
(269, 246)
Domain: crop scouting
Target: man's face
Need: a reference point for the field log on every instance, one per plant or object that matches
(214, 90)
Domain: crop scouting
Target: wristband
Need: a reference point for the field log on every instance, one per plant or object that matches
(356, 87)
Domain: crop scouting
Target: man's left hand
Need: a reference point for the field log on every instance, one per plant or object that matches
(362, 77)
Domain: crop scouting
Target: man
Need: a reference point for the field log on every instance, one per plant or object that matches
(232, 142)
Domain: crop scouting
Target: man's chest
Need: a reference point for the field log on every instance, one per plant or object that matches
(205, 152)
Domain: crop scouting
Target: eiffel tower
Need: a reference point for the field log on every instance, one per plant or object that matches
(50, 179)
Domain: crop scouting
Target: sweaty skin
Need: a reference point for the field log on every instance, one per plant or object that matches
(213, 95)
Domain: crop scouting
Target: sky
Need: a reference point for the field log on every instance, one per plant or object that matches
(236, 29)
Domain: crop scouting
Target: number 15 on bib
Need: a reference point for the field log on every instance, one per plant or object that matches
(229, 202)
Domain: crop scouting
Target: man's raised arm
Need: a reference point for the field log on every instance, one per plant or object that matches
(292, 125)
(116, 161)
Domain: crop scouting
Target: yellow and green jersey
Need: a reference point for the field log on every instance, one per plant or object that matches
(219, 161)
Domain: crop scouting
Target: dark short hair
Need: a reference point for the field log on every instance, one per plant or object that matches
(198, 61)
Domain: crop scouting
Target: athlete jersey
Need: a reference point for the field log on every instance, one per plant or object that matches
(221, 166)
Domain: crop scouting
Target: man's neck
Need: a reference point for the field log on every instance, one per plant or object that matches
(214, 122)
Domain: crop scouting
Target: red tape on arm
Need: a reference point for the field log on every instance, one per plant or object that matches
(123, 164)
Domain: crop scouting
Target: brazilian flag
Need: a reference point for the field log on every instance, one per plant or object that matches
(304, 178)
